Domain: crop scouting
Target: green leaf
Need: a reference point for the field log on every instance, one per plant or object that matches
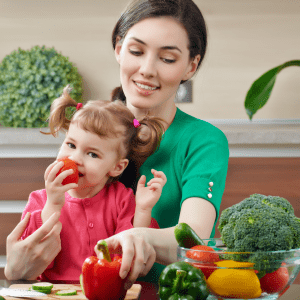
(260, 91)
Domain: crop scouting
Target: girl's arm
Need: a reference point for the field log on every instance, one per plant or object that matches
(147, 197)
(144, 246)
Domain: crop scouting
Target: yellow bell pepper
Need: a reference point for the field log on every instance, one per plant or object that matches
(234, 281)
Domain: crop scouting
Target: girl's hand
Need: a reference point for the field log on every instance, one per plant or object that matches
(55, 189)
(138, 255)
(147, 196)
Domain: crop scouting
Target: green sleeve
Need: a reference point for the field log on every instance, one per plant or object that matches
(205, 166)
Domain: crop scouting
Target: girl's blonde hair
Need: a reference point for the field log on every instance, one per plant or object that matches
(109, 120)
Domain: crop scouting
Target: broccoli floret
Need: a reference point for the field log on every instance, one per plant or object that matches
(260, 224)
(255, 201)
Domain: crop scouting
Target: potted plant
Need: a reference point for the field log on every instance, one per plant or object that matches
(261, 89)
(29, 82)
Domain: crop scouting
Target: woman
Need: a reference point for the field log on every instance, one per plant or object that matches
(158, 45)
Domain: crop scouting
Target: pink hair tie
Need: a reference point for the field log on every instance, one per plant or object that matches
(79, 105)
(136, 123)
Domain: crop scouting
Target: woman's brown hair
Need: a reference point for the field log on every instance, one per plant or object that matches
(108, 120)
(185, 12)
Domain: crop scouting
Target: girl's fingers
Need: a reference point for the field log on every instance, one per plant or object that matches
(49, 169)
(54, 170)
(159, 174)
(156, 181)
(142, 181)
(70, 186)
(155, 187)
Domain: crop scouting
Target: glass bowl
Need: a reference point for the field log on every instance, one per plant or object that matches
(243, 275)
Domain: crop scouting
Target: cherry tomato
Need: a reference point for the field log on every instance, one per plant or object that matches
(69, 164)
(207, 259)
(276, 281)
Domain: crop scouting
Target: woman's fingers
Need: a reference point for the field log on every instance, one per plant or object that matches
(16, 234)
(44, 230)
(138, 256)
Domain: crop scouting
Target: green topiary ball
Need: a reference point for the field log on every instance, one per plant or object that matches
(29, 82)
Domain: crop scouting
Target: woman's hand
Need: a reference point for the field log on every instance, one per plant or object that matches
(138, 255)
(27, 259)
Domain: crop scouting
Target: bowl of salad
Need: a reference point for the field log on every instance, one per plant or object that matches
(257, 255)
(242, 275)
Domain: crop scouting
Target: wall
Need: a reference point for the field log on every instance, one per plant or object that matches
(246, 38)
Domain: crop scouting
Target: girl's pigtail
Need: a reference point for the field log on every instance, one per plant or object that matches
(57, 118)
(147, 139)
(118, 94)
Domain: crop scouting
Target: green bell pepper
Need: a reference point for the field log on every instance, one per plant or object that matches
(181, 281)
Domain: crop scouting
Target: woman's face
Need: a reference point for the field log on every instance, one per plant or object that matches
(154, 59)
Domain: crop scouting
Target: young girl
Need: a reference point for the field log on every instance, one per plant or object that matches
(101, 138)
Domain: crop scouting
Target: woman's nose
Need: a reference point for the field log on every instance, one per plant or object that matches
(148, 67)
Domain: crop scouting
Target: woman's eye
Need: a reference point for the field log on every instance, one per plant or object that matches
(70, 145)
(93, 155)
(168, 61)
(136, 53)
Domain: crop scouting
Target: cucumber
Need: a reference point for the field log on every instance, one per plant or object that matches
(43, 287)
(81, 283)
(66, 293)
(186, 237)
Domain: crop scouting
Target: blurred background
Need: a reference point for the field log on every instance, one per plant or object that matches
(246, 38)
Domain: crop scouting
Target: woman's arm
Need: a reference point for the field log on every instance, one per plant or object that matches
(144, 246)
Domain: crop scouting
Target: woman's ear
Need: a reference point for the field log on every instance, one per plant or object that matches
(192, 68)
(118, 48)
(119, 168)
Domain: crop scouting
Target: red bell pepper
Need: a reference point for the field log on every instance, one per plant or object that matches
(100, 277)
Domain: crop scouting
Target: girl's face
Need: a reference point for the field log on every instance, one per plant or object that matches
(154, 59)
(96, 158)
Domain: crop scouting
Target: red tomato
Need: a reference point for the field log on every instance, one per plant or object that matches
(207, 259)
(69, 164)
(276, 281)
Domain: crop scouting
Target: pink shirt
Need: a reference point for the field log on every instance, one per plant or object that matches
(84, 223)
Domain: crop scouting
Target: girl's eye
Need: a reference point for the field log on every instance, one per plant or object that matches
(70, 145)
(93, 155)
(136, 53)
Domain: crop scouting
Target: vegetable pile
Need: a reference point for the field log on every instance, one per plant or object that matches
(256, 227)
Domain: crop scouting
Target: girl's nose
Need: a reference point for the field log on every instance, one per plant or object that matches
(148, 67)
(76, 157)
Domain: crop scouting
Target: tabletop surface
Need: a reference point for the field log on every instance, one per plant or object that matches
(149, 290)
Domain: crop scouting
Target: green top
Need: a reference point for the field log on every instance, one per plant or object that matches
(193, 153)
